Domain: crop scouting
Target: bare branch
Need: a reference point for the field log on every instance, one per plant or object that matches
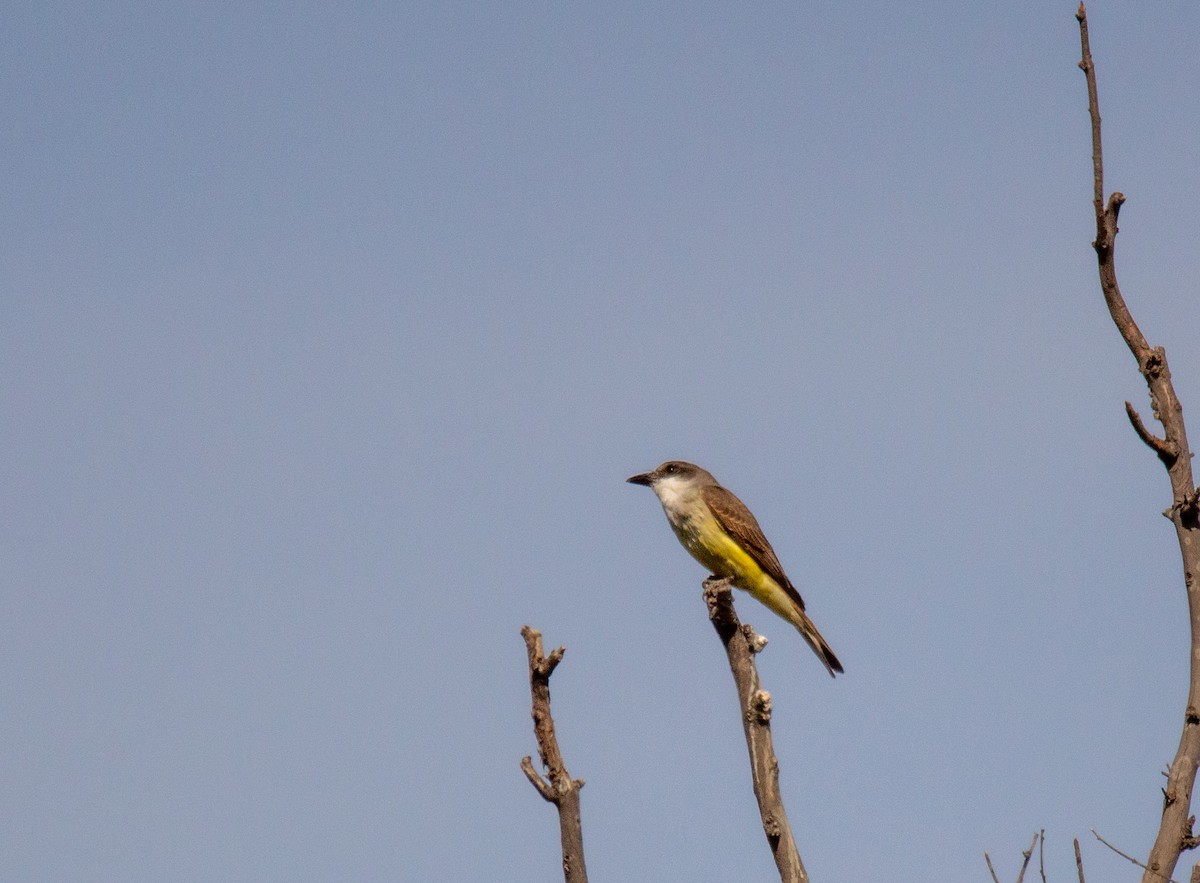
(741, 643)
(543, 787)
(561, 789)
(1175, 830)
(1127, 856)
(987, 858)
(1166, 452)
(1027, 855)
(1106, 216)
(1079, 861)
(1042, 855)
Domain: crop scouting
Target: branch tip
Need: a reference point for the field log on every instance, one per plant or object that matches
(542, 786)
(987, 858)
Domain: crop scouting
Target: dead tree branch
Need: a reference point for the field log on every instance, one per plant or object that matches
(991, 870)
(1026, 856)
(1042, 854)
(561, 789)
(1079, 861)
(1127, 856)
(741, 643)
(1175, 829)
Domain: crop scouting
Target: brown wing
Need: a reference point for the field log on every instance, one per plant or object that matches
(738, 521)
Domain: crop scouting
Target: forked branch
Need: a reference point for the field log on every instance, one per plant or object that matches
(1038, 837)
(561, 789)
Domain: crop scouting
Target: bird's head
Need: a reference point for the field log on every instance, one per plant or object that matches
(673, 477)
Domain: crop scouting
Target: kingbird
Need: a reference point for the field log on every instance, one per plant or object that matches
(723, 535)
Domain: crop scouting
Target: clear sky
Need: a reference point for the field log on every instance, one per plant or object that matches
(331, 332)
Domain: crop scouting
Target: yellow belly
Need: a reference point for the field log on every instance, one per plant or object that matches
(714, 548)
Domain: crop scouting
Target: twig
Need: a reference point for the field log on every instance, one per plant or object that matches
(1128, 857)
(1166, 452)
(1079, 861)
(1042, 855)
(987, 858)
(741, 643)
(561, 789)
(1027, 855)
(1174, 832)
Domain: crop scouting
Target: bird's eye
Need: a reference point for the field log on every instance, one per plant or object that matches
(670, 469)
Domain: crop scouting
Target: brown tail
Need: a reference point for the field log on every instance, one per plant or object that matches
(820, 646)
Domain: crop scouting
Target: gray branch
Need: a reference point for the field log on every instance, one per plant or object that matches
(741, 643)
(1025, 856)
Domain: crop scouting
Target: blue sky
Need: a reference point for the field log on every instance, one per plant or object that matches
(331, 333)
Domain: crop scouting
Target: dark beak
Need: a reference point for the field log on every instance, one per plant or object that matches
(646, 478)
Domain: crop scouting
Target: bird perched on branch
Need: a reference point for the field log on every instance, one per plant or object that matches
(723, 535)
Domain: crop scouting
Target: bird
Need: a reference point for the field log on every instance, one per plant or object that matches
(722, 534)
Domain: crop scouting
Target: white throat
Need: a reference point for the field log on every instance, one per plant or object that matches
(675, 492)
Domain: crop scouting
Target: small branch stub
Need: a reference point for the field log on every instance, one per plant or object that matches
(1166, 451)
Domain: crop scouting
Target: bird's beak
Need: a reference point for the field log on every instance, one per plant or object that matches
(646, 478)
